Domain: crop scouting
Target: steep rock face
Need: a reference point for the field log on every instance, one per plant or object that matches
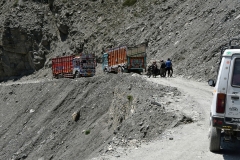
(25, 41)
(190, 33)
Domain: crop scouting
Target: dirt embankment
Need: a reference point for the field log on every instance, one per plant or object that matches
(115, 110)
(183, 142)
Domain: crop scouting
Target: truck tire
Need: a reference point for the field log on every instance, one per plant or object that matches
(60, 76)
(120, 70)
(105, 71)
(77, 75)
(215, 139)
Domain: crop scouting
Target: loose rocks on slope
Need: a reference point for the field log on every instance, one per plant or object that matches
(114, 110)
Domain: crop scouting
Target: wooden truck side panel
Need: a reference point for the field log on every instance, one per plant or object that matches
(117, 56)
(62, 65)
(68, 66)
(128, 58)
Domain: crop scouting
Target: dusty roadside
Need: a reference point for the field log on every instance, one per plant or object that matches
(39, 122)
(185, 142)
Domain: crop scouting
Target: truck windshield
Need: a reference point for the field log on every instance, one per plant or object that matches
(236, 73)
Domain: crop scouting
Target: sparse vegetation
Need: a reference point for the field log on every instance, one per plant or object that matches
(130, 99)
(87, 132)
(136, 14)
(15, 3)
(129, 2)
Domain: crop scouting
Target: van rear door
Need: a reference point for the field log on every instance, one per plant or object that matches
(232, 110)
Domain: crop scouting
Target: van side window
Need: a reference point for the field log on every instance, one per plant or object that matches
(236, 73)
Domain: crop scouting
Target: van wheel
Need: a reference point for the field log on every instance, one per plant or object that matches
(215, 139)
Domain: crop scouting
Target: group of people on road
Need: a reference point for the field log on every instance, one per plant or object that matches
(165, 68)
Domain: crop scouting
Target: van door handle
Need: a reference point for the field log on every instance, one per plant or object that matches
(235, 97)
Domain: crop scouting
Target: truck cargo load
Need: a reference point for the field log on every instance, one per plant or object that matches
(73, 66)
(125, 59)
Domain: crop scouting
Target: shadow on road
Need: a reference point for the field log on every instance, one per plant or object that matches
(230, 150)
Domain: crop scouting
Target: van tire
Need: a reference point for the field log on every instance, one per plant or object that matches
(215, 139)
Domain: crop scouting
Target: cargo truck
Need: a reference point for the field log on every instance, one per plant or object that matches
(73, 66)
(125, 59)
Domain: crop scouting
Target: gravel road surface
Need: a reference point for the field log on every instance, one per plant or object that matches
(185, 142)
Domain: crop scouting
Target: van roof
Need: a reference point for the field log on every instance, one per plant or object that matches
(230, 52)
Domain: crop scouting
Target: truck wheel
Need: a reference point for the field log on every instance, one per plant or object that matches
(59, 76)
(215, 139)
(120, 71)
(105, 71)
(77, 75)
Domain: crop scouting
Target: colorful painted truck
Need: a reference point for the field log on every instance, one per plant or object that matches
(74, 66)
(125, 59)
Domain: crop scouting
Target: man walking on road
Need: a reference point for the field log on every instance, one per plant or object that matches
(169, 69)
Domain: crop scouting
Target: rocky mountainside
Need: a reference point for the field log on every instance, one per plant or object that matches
(37, 118)
(190, 33)
(37, 112)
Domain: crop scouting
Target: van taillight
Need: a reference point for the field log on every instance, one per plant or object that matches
(221, 99)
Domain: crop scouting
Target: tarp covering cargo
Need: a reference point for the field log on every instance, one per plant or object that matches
(137, 51)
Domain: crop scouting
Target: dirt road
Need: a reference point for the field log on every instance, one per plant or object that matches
(185, 142)
(34, 123)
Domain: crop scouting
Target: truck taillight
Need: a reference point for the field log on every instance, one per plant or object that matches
(221, 100)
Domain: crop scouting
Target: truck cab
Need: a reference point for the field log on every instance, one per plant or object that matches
(84, 65)
(105, 62)
(225, 107)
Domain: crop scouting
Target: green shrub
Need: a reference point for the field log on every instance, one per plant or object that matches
(129, 2)
(15, 3)
(136, 14)
(87, 132)
(130, 98)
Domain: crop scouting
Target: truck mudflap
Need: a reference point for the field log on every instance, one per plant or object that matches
(221, 123)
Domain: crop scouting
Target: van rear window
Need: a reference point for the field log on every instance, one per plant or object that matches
(236, 73)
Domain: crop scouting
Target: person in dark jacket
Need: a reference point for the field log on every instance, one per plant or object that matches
(154, 69)
(162, 69)
(163, 64)
(169, 69)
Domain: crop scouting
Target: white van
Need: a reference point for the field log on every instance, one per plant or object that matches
(225, 107)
